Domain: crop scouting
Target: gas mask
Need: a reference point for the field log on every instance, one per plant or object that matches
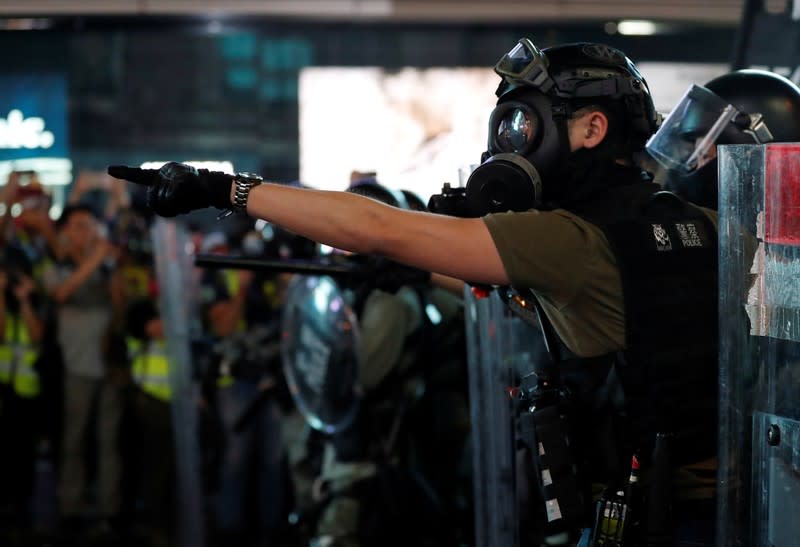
(520, 126)
(525, 145)
(528, 158)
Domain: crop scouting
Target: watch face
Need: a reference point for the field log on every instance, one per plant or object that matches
(252, 178)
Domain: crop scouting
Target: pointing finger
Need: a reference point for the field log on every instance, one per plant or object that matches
(146, 177)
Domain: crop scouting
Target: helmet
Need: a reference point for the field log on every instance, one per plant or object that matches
(776, 98)
(414, 202)
(585, 73)
(741, 107)
(371, 188)
(280, 243)
(528, 146)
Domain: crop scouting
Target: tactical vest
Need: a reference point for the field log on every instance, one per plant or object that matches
(150, 368)
(666, 250)
(137, 280)
(663, 383)
(18, 355)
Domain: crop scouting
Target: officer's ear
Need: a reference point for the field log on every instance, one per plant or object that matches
(596, 128)
(587, 128)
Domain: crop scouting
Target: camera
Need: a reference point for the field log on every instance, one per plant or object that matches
(30, 195)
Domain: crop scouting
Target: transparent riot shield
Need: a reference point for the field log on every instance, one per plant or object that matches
(319, 346)
(177, 291)
(503, 350)
(759, 227)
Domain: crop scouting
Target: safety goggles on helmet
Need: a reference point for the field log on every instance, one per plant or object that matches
(525, 63)
(685, 139)
(611, 75)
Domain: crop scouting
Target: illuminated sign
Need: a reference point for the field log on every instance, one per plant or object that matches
(17, 131)
(33, 128)
(33, 116)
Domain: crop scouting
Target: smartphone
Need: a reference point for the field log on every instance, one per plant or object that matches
(32, 197)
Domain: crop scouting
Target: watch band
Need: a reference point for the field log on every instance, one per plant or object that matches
(243, 183)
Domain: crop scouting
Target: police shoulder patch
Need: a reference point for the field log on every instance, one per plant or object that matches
(690, 233)
(679, 234)
(661, 237)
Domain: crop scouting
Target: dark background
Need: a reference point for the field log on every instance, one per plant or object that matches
(148, 88)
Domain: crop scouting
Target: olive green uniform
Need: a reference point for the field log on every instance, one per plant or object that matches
(568, 263)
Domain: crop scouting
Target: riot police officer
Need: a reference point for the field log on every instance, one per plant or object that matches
(374, 479)
(558, 209)
(741, 107)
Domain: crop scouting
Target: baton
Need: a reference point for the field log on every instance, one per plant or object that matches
(307, 267)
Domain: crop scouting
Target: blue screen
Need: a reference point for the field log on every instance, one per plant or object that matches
(33, 116)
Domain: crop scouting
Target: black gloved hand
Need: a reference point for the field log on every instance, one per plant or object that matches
(177, 188)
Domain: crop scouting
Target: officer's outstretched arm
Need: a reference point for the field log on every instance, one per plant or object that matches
(457, 247)
(450, 284)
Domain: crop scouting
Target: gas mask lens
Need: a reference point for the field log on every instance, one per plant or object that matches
(516, 130)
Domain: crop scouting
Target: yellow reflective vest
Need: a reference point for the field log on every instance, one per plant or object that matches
(150, 367)
(17, 358)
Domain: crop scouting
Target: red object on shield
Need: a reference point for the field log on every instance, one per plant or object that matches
(782, 194)
(480, 291)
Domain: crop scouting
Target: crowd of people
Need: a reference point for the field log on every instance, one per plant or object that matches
(85, 393)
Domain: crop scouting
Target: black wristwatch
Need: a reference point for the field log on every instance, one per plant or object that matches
(243, 183)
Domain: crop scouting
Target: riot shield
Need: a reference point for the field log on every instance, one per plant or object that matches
(177, 291)
(759, 458)
(503, 352)
(319, 348)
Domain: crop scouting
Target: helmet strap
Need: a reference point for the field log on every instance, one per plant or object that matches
(577, 174)
(556, 183)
